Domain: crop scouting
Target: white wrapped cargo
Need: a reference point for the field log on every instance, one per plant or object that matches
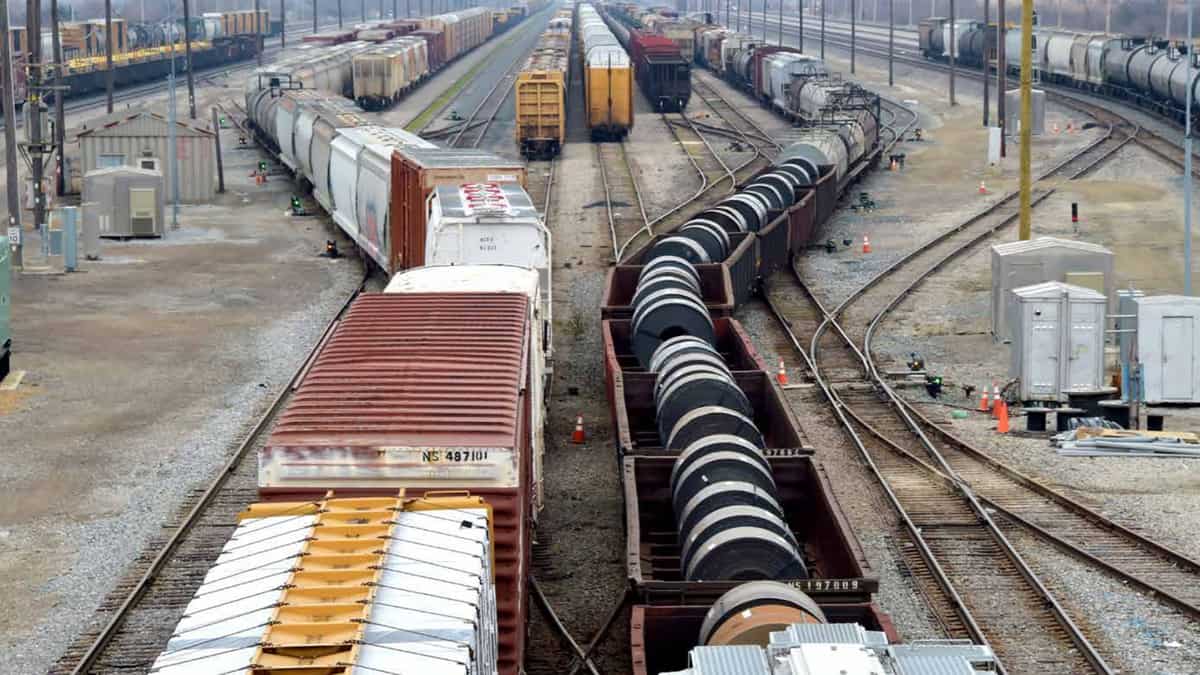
(421, 599)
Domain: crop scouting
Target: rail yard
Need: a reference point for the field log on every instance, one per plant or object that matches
(556, 337)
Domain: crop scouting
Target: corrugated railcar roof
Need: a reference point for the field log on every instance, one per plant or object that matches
(421, 370)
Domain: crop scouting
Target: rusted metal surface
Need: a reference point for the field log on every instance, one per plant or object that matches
(838, 568)
(411, 389)
(660, 636)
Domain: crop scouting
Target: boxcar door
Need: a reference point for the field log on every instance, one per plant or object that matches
(1178, 359)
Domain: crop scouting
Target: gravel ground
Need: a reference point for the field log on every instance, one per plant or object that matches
(855, 488)
(239, 285)
(947, 322)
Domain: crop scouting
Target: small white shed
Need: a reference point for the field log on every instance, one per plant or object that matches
(1023, 263)
(1058, 340)
(1168, 348)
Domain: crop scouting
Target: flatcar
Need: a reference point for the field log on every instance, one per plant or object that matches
(607, 77)
(541, 90)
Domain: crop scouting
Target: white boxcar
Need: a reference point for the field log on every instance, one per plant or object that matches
(422, 597)
(1168, 349)
(360, 171)
(1058, 340)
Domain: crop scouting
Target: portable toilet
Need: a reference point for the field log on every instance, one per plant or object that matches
(1058, 340)
(1168, 349)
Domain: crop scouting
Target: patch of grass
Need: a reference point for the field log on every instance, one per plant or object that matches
(422, 120)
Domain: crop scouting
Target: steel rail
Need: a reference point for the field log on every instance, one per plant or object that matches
(114, 624)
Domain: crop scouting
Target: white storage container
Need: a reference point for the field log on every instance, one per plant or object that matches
(1168, 349)
(1058, 340)
(1022, 263)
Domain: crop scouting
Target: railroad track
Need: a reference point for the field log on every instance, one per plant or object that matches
(137, 618)
(627, 219)
(951, 496)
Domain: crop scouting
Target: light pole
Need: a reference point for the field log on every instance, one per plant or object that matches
(1187, 166)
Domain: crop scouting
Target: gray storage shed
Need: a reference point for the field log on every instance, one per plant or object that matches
(1058, 340)
(127, 202)
(140, 139)
(1023, 263)
(1168, 349)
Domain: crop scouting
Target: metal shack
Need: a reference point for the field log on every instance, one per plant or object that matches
(1022, 263)
(127, 202)
(1167, 348)
(140, 139)
(1058, 340)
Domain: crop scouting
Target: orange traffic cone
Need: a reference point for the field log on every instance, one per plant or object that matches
(983, 399)
(866, 244)
(995, 398)
(892, 165)
(1002, 417)
(782, 376)
(982, 188)
(1055, 128)
(577, 437)
(1070, 127)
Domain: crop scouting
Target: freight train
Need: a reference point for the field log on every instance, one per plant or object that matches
(141, 52)
(541, 91)
(663, 74)
(400, 487)
(1148, 71)
(838, 120)
(607, 77)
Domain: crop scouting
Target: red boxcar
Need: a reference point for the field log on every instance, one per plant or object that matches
(661, 71)
(422, 392)
(436, 46)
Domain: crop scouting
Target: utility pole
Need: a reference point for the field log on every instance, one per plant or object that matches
(60, 130)
(339, 13)
(1108, 17)
(823, 29)
(187, 56)
(780, 23)
(1026, 114)
(282, 26)
(314, 17)
(258, 36)
(363, 11)
(953, 47)
(986, 18)
(892, 41)
(800, 35)
(33, 133)
(108, 47)
(1002, 77)
(172, 145)
(1187, 166)
(10, 141)
(853, 32)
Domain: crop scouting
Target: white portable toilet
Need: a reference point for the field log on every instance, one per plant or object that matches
(1058, 340)
(1168, 349)
(1023, 263)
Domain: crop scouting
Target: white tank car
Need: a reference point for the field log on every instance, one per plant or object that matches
(787, 71)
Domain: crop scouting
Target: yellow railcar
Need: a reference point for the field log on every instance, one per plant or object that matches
(607, 77)
(541, 93)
